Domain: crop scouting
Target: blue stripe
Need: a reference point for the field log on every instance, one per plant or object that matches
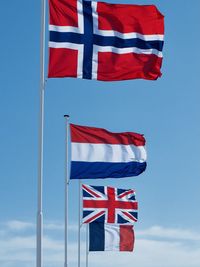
(88, 40)
(96, 237)
(95, 170)
(103, 41)
(125, 43)
(68, 37)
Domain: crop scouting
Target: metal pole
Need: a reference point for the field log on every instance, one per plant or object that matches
(66, 190)
(87, 252)
(41, 133)
(79, 226)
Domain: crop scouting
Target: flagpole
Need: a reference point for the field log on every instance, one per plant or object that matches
(66, 190)
(41, 134)
(87, 252)
(79, 226)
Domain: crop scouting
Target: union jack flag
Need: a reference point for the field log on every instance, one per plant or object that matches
(109, 205)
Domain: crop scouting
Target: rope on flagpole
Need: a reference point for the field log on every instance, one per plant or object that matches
(41, 134)
(66, 190)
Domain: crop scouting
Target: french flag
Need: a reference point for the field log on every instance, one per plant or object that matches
(111, 237)
(98, 153)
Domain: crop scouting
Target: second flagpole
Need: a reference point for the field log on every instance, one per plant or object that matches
(66, 189)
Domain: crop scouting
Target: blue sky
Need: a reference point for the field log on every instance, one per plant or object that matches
(166, 111)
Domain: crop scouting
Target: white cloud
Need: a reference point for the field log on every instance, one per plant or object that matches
(151, 253)
(177, 233)
(54, 226)
(19, 225)
(154, 247)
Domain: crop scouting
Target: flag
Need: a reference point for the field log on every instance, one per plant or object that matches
(108, 204)
(102, 41)
(98, 153)
(111, 237)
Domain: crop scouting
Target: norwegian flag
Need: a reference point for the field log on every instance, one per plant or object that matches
(101, 41)
(109, 205)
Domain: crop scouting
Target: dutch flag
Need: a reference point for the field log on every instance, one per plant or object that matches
(98, 153)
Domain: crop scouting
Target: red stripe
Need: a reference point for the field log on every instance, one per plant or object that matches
(85, 134)
(109, 204)
(127, 238)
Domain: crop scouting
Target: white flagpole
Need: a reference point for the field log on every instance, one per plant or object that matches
(87, 251)
(66, 190)
(79, 226)
(41, 134)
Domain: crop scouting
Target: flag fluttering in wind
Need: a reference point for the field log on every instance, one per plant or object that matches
(111, 237)
(98, 153)
(108, 204)
(101, 41)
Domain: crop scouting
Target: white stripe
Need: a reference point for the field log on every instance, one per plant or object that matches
(127, 50)
(107, 153)
(56, 28)
(112, 237)
(78, 29)
(131, 35)
(95, 51)
(76, 47)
